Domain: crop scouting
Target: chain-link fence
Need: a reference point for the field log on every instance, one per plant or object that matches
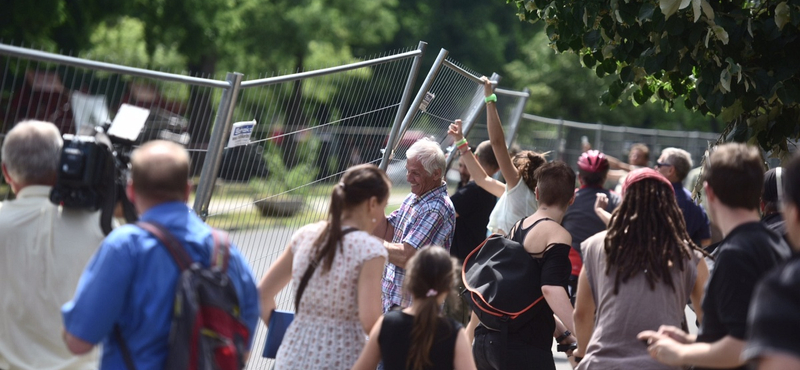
(566, 140)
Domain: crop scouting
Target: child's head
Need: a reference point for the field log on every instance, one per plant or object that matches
(526, 162)
(429, 278)
(429, 273)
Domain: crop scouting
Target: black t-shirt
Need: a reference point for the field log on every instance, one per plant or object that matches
(742, 258)
(580, 219)
(473, 206)
(774, 323)
(395, 341)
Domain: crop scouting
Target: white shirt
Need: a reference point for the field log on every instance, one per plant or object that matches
(43, 250)
(515, 204)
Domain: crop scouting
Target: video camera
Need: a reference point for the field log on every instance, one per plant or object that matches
(92, 175)
(93, 170)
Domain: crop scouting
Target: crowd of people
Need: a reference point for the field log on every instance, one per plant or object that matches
(618, 267)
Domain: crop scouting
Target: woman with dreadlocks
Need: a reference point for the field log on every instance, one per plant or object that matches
(637, 275)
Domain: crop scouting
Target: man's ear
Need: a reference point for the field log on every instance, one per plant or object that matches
(572, 200)
(188, 191)
(9, 180)
(709, 192)
(129, 192)
(5, 174)
(536, 193)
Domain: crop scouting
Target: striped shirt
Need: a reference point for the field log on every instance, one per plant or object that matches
(420, 221)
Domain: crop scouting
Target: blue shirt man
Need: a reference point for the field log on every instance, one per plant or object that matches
(675, 164)
(130, 281)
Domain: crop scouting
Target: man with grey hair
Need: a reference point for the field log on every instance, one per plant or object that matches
(42, 253)
(426, 217)
(675, 165)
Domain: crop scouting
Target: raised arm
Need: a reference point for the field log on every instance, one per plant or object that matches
(475, 169)
(498, 138)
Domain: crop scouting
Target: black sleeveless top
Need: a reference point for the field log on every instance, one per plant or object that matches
(556, 269)
(395, 340)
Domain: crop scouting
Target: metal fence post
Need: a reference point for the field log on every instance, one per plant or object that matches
(216, 145)
(559, 138)
(598, 137)
(516, 115)
(397, 132)
(402, 109)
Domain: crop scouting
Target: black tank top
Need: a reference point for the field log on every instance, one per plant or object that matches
(395, 341)
(556, 268)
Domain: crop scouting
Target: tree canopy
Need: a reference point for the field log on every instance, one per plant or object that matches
(734, 59)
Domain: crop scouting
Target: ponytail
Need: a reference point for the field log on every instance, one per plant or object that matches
(527, 162)
(359, 184)
(429, 274)
(326, 242)
(423, 332)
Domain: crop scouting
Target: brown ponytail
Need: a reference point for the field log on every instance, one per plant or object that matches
(358, 185)
(429, 273)
(526, 162)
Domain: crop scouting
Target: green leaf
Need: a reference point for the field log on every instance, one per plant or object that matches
(782, 15)
(646, 11)
(609, 66)
(626, 74)
(675, 26)
(592, 39)
(714, 103)
(669, 7)
(599, 71)
(588, 61)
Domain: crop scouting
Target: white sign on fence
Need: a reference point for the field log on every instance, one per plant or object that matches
(240, 133)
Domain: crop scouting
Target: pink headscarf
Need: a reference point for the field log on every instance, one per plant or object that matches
(641, 174)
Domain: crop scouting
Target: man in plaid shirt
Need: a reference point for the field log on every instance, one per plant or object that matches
(426, 217)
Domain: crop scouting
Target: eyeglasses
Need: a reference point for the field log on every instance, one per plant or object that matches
(659, 165)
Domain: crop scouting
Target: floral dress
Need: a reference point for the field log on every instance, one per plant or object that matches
(326, 332)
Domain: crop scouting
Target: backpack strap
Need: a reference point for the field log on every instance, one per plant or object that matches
(123, 347)
(518, 230)
(310, 270)
(175, 248)
(222, 250)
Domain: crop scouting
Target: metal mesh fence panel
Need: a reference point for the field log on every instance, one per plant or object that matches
(568, 139)
(80, 98)
(308, 130)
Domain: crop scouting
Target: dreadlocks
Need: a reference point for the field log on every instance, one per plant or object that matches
(647, 233)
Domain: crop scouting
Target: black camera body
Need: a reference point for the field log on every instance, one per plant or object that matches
(85, 173)
(91, 176)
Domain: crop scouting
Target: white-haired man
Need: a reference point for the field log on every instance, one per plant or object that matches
(426, 217)
(675, 164)
(42, 253)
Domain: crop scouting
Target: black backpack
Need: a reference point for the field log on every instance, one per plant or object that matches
(207, 331)
(503, 283)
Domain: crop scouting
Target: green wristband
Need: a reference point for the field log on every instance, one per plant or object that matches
(490, 98)
(461, 142)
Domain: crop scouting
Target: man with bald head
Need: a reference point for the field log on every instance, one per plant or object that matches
(128, 288)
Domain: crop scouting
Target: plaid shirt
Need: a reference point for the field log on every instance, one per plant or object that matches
(420, 221)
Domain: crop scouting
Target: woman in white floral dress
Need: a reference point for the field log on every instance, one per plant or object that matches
(335, 267)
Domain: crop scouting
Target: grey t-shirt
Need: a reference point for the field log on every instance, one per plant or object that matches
(621, 317)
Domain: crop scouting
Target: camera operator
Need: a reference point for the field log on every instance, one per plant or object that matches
(43, 250)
